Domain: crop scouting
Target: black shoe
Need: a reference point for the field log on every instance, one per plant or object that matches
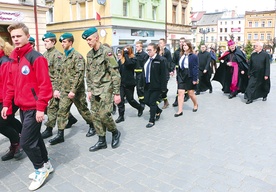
(197, 93)
(264, 98)
(10, 154)
(195, 110)
(47, 133)
(149, 125)
(175, 104)
(140, 111)
(91, 131)
(186, 97)
(101, 144)
(249, 101)
(120, 119)
(71, 120)
(179, 114)
(231, 96)
(59, 138)
(18, 152)
(115, 139)
(157, 116)
(210, 90)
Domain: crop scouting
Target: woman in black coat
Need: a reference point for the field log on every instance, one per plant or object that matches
(155, 74)
(126, 67)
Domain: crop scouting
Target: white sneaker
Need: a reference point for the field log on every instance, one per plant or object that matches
(47, 165)
(40, 176)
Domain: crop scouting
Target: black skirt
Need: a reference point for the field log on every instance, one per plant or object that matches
(184, 81)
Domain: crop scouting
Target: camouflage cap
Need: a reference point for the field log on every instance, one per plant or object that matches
(89, 32)
(65, 36)
(31, 40)
(48, 35)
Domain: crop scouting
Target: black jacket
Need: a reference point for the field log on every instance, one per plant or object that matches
(204, 59)
(158, 80)
(127, 71)
(142, 57)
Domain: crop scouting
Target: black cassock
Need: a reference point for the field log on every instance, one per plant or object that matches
(259, 67)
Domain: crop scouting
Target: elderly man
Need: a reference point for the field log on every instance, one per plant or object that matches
(258, 72)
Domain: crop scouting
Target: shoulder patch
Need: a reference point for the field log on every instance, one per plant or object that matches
(109, 54)
(59, 57)
(80, 57)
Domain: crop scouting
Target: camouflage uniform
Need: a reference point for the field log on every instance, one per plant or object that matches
(72, 79)
(54, 58)
(103, 80)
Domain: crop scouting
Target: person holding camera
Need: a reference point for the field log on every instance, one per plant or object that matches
(127, 64)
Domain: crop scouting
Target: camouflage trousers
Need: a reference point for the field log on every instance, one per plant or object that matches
(64, 107)
(52, 110)
(101, 107)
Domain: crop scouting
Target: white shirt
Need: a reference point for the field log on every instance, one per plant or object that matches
(186, 61)
(147, 63)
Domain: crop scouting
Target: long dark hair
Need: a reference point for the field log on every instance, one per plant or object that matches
(187, 42)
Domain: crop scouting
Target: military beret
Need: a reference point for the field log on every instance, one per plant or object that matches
(31, 40)
(89, 32)
(48, 35)
(65, 36)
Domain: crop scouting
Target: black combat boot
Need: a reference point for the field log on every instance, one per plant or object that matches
(59, 138)
(47, 133)
(12, 150)
(115, 138)
(175, 104)
(186, 97)
(101, 144)
(140, 111)
(120, 119)
(71, 120)
(91, 131)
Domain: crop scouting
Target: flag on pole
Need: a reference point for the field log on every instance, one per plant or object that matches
(98, 16)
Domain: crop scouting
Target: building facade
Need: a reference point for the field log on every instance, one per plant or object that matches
(260, 26)
(24, 11)
(119, 22)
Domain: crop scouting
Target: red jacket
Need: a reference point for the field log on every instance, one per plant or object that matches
(5, 63)
(29, 81)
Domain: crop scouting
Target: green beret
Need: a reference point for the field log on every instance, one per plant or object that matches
(31, 40)
(48, 35)
(89, 32)
(65, 36)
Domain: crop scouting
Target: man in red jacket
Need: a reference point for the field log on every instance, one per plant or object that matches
(30, 86)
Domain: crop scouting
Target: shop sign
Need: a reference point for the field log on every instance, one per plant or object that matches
(10, 16)
(142, 33)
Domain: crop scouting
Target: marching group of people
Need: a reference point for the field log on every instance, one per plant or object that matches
(50, 83)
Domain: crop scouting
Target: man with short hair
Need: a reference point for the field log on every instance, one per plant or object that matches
(142, 57)
(103, 81)
(30, 86)
(259, 73)
(72, 89)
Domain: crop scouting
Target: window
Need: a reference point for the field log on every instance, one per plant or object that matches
(256, 36)
(220, 30)
(221, 22)
(194, 40)
(262, 36)
(225, 38)
(207, 39)
(232, 22)
(268, 36)
(174, 14)
(249, 36)
(125, 9)
(212, 29)
(225, 30)
(183, 15)
(141, 10)
(263, 23)
(269, 23)
(239, 22)
(220, 38)
(256, 24)
(225, 22)
(239, 38)
(154, 8)
(250, 24)
(212, 39)
(50, 15)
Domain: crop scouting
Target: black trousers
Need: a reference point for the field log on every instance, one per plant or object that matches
(151, 98)
(10, 127)
(140, 87)
(128, 93)
(31, 140)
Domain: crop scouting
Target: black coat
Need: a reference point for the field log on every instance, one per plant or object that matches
(142, 57)
(127, 71)
(158, 74)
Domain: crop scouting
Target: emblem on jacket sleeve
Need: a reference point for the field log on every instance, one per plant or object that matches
(25, 70)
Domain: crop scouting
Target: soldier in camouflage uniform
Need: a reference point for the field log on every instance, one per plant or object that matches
(103, 81)
(72, 89)
(54, 58)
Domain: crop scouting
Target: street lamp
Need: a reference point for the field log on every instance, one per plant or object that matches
(204, 32)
